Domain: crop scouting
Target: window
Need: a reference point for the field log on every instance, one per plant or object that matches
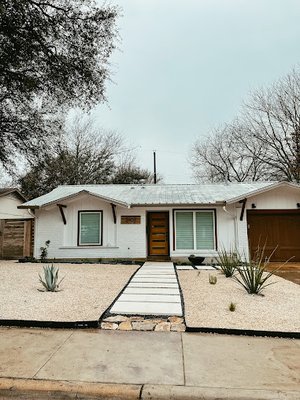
(90, 228)
(195, 230)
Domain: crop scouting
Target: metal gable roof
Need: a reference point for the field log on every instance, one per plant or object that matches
(141, 195)
(7, 191)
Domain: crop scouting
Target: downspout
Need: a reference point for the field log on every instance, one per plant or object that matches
(236, 241)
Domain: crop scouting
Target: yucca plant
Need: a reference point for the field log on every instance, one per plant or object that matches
(228, 262)
(253, 276)
(50, 278)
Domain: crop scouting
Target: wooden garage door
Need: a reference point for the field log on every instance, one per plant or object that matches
(158, 233)
(281, 229)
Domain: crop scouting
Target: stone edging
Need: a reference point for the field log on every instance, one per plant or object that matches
(139, 323)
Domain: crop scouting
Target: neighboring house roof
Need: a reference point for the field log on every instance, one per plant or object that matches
(147, 195)
(6, 191)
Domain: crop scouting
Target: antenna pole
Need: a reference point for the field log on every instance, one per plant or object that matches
(154, 165)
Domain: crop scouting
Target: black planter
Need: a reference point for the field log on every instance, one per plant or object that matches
(196, 260)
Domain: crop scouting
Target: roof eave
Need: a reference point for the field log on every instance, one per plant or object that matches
(50, 203)
(24, 207)
(217, 203)
(261, 190)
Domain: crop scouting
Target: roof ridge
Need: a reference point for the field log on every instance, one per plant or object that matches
(172, 184)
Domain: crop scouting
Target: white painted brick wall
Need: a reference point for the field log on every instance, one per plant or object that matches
(130, 241)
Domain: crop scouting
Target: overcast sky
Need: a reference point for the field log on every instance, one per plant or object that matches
(185, 66)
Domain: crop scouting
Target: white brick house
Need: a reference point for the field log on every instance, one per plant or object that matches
(167, 221)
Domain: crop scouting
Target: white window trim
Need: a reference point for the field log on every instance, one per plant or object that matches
(194, 211)
(100, 213)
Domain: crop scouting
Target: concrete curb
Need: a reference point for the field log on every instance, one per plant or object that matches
(45, 389)
(27, 389)
(163, 392)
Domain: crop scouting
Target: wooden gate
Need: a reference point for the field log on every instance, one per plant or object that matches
(16, 238)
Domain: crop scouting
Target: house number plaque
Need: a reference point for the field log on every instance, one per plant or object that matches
(132, 219)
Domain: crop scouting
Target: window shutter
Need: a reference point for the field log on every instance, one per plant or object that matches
(90, 228)
(204, 231)
(184, 230)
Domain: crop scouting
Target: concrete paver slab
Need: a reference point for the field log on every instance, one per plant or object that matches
(161, 276)
(159, 263)
(154, 284)
(159, 273)
(160, 268)
(254, 363)
(184, 267)
(24, 351)
(147, 290)
(205, 267)
(156, 271)
(152, 298)
(118, 357)
(144, 308)
(166, 280)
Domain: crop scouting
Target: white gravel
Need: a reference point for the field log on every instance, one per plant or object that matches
(86, 291)
(207, 305)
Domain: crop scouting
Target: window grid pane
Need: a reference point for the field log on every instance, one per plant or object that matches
(204, 231)
(90, 224)
(184, 230)
(195, 230)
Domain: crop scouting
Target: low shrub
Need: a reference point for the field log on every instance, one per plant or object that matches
(44, 251)
(232, 307)
(50, 278)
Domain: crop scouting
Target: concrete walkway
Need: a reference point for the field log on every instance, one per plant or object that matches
(153, 290)
(61, 364)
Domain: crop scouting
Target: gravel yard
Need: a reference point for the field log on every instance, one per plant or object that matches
(86, 291)
(207, 305)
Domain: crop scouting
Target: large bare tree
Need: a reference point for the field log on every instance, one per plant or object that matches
(84, 154)
(263, 143)
(222, 156)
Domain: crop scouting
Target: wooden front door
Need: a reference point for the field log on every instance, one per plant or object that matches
(158, 234)
(275, 230)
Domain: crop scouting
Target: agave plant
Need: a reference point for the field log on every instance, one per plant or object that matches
(50, 279)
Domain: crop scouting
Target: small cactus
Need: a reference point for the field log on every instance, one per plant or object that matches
(212, 279)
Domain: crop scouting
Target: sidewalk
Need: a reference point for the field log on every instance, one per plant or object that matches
(63, 364)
